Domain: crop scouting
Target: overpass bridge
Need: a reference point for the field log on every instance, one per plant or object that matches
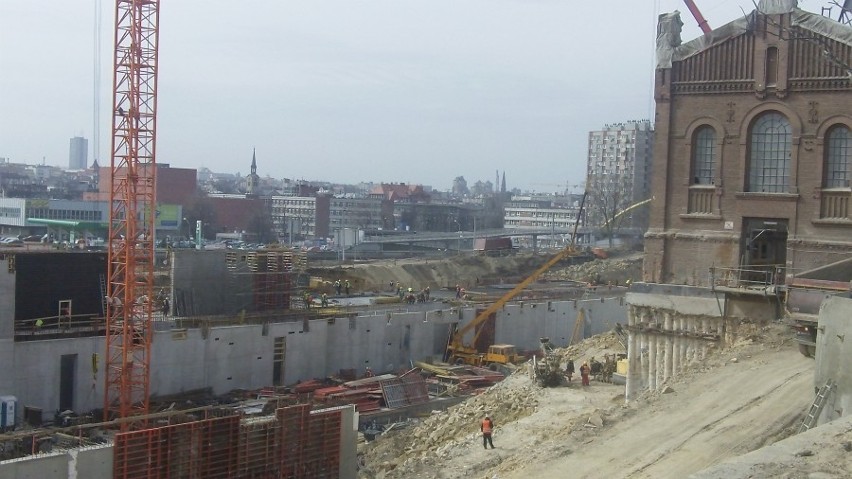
(464, 240)
(460, 239)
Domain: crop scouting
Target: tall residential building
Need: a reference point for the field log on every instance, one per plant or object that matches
(618, 171)
(78, 153)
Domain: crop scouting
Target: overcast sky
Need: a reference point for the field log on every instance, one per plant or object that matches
(350, 90)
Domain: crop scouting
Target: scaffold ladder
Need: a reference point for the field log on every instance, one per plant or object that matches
(103, 293)
(817, 406)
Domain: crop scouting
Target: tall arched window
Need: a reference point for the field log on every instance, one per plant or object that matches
(838, 153)
(769, 156)
(703, 155)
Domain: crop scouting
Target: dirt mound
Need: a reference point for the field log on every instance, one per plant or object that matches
(615, 270)
(467, 271)
(734, 401)
(470, 271)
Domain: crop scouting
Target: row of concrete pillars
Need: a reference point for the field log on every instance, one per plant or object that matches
(662, 343)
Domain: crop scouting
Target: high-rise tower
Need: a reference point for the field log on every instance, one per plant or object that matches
(78, 153)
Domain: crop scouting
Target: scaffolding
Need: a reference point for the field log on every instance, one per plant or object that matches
(272, 276)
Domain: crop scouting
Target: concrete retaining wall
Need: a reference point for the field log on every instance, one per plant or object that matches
(241, 357)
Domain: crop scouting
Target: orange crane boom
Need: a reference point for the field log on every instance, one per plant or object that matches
(456, 347)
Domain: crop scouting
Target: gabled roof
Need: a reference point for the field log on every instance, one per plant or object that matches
(670, 48)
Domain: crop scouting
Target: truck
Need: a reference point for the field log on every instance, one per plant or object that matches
(494, 246)
(805, 294)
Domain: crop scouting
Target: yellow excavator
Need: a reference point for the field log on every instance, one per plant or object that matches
(460, 353)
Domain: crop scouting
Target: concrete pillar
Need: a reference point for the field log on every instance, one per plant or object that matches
(677, 343)
(683, 343)
(652, 361)
(643, 358)
(669, 363)
(634, 364)
(661, 364)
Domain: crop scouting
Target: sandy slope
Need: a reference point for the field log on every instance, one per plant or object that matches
(717, 409)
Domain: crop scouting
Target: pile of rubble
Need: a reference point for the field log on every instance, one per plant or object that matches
(441, 434)
(601, 271)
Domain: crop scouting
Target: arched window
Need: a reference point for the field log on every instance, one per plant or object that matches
(703, 155)
(769, 156)
(838, 153)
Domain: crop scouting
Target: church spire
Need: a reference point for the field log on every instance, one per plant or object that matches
(253, 181)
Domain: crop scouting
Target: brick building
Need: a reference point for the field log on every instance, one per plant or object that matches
(753, 148)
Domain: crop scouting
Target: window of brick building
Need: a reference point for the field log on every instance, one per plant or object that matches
(769, 155)
(838, 153)
(703, 155)
(771, 66)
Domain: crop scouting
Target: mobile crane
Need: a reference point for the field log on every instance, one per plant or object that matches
(460, 353)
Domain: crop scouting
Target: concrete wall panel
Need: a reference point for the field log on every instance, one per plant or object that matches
(832, 356)
(176, 364)
(91, 462)
(52, 466)
(36, 371)
(7, 298)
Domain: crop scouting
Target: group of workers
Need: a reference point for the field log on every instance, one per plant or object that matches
(340, 287)
(593, 368)
(408, 295)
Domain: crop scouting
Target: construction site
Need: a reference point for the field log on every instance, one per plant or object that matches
(274, 379)
(716, 352)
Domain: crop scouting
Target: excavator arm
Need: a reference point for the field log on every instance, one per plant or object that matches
(457, 342)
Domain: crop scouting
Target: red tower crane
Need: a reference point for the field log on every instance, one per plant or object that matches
(702, 22)
(130, 272)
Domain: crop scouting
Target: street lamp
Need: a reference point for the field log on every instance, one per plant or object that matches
(458, 250)
(473, 244)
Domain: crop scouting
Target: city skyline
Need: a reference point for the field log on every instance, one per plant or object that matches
(377, 91)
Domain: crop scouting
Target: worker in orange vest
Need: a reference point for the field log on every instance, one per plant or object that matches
(584, 373)
(487, 427)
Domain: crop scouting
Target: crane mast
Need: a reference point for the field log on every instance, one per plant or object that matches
(130, 271)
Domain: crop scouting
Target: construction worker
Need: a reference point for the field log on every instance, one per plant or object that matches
(324, 300)
(487, 427)
(337, 287)
(347, 286)
(584, 373)
(608, 367)
(569, 369)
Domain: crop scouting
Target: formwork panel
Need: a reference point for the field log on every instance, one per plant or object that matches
(310, 443)
(259, 449)
(193, 450)
(404, 391)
